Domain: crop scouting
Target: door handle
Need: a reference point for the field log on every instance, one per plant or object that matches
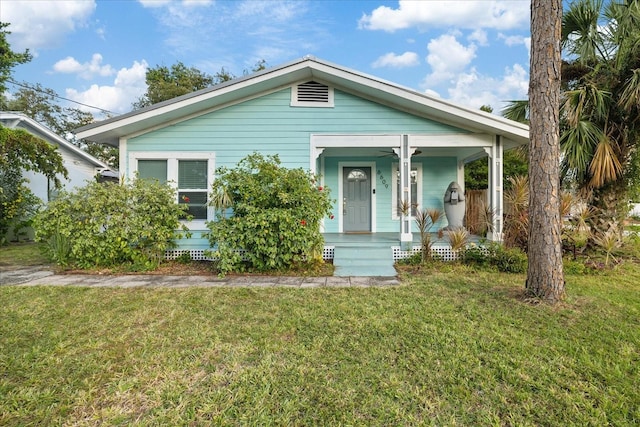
(344, 206)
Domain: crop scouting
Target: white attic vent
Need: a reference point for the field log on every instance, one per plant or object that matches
(311, 94)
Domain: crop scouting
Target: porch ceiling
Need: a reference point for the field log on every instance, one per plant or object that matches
(458, 152)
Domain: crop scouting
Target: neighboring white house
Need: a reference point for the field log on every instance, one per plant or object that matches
(81, 166)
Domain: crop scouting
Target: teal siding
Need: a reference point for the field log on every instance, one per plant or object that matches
(269, 124)
(437, 173)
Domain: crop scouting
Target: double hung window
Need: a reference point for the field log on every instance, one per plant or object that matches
(191, 174)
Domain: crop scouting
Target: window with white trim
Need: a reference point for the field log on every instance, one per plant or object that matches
(416, 189)
(191, 174)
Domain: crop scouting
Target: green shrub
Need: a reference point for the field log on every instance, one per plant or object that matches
(475, 255)
(413, 259)
(58, 249)
(575, 267)
(184, 258)
(109, 224)
(271, 212)
(509, 260)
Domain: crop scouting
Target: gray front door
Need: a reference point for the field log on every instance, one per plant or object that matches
(356, 203)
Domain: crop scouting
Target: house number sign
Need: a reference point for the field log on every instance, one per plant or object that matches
(384, 182)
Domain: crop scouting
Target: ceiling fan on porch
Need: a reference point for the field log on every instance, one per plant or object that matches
(391, 153)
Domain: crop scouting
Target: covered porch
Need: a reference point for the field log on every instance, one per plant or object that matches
(401, 170)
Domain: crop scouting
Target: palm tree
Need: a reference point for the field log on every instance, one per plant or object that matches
(601, 104)
(600, 111)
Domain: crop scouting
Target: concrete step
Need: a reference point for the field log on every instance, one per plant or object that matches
(384, 253)
(365, 271)
(363, 261)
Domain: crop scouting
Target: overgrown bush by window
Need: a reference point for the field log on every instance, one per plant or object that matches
(271, 212)
(110, 224)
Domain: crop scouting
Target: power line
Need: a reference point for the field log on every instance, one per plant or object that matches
(55, 95)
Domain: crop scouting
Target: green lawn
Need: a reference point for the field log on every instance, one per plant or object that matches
(451, 346)
(23, 254)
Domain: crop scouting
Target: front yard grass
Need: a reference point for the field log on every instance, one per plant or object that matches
(22, 254)
(450, 346)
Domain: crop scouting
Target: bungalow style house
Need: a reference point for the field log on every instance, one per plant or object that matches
(80, 165)
(375, 144)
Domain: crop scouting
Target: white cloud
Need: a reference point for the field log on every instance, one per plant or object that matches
(43, 24)
(474, 89)
(407, 59)
(452, 13)
(514, 40)
(479, 36)
(447, 57)
(154, 3)
(87, 70)
(273, 30)
(127, 87)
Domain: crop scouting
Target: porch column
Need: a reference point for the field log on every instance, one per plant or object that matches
(405, 152)
(495, 193)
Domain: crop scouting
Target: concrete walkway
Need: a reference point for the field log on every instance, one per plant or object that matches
(37, 276)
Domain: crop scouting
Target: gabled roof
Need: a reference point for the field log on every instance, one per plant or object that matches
(15, 120)
(308, 68)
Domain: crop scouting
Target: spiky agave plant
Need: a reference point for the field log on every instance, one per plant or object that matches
(425, 219)
(458, 239)
(608, 242)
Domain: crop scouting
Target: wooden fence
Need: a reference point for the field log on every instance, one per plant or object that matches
(475, 214)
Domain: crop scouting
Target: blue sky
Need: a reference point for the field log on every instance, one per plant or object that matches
(472, 52)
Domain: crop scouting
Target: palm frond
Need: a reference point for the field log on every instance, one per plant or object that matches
(578, 144)
(605, 165)
(630, 97)
(517, 111)
(586, 101)
(581, 34)
(517, 196)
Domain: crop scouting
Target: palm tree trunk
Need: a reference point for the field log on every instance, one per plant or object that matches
(545, 278)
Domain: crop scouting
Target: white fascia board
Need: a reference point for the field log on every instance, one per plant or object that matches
(344, 141)
(451, 140)
(36, 127)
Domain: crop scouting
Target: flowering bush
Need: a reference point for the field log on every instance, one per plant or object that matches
(275, 215)
(109, 224)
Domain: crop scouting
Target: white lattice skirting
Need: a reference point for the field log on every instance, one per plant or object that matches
(200, 254)
(442, 252)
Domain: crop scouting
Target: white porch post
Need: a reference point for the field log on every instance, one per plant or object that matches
(406, 237)
(495, 193)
